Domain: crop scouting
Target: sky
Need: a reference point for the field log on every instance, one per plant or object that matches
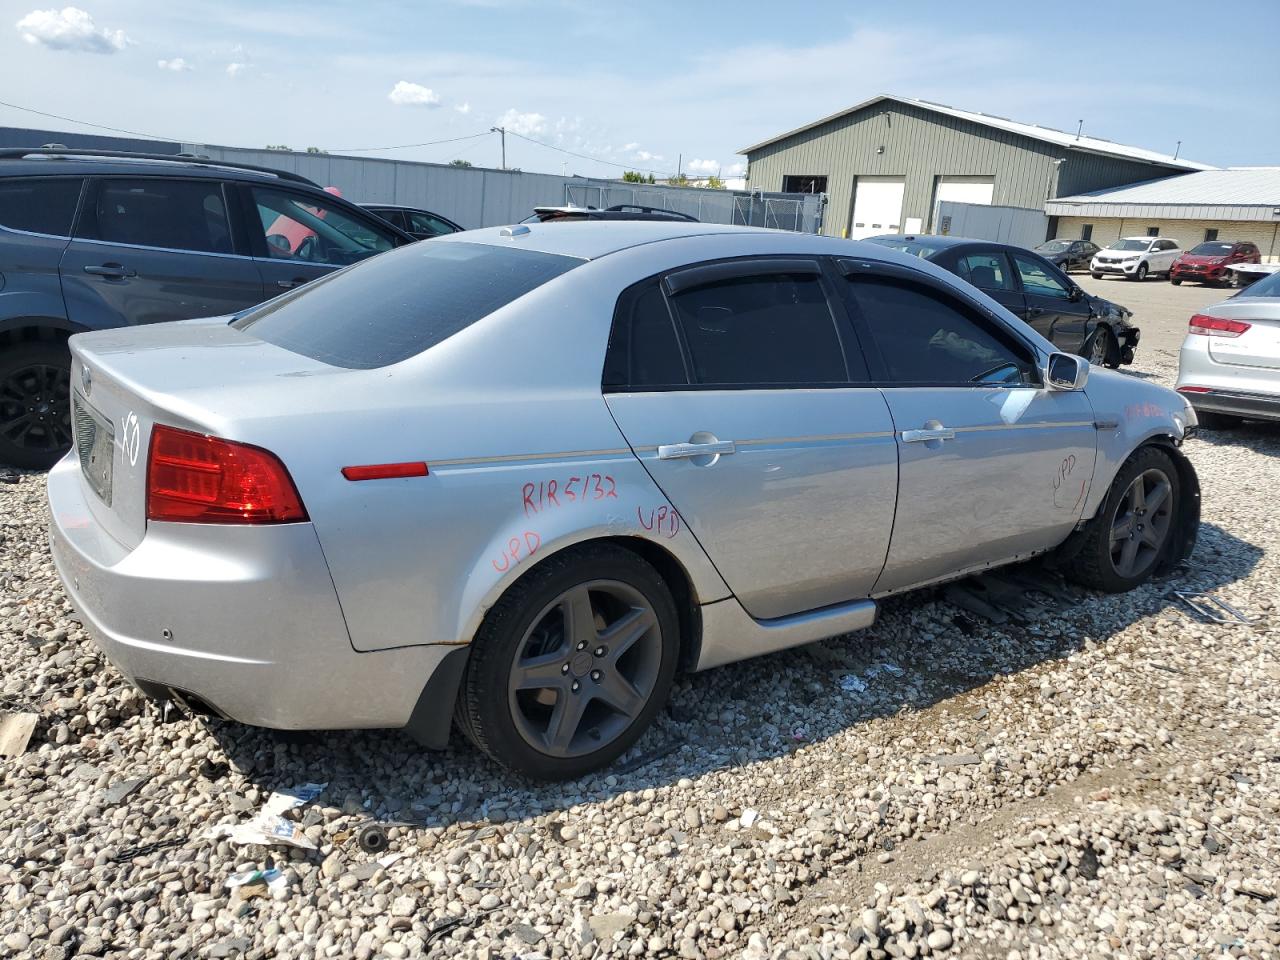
(594, 88)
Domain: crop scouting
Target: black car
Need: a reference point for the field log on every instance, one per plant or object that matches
(1068, 255)
(621, 211)
(1035, 290)
(418, 223)
(91, 240)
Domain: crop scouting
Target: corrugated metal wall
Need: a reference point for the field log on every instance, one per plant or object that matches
(893, 139)
(1020, 226)
(480, 197)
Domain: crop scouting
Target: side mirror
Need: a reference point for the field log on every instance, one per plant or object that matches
(1076, 295)
(1066, 372)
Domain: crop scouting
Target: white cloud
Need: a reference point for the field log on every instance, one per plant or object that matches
(735, 170)
(70, 29)
(524, 124)
(406, 94)
(235, 69)
(704, 167)
(177, 65)
(463, 108)
(628, 147)
(646, 156)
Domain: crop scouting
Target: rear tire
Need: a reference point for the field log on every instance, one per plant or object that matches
(35, 403)
(538, 669)
(1218, 421)
(1134, 528)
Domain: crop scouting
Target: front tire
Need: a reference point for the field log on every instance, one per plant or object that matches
(1134, 527)
(1175, 281)
(35, 404)
(572, 665)
(1099, 349)
(1141, 273)
(1095, 274)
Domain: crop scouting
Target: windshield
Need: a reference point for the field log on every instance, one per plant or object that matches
(395, 306)
(1055, 246)
(1211, 249)
(1268, 286)
(1130, 245)
(915, 247)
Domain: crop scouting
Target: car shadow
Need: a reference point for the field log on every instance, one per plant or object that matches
(1257, 436)
(922, 651)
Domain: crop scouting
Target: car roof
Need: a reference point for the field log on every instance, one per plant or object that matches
(34, 163)
(1145, 238)
(589, 239)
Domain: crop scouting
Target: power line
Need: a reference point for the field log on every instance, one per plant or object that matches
(407, 146)
(583, 156)
(86, 123)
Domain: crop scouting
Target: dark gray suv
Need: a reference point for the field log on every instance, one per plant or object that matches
(91, 240)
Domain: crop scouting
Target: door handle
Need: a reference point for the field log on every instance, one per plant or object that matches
(1034, 311)
(112, 271)
(290, 284)
(678, 451)
(928, 433)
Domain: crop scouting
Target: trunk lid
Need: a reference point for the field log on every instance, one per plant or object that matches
(1259, 346)
(124, 381)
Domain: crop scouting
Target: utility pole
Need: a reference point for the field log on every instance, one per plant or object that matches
(679, 164)
(1177, 150)
(1079, 129)
(503, 131)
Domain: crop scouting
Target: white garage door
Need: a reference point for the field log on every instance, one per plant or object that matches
(877, 206)
(978, 190)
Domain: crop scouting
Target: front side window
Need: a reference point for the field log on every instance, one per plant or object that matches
(986, 271)
(927, 337)
(756, 330)
(395, 307)
(1038, 281)
(160, 212)
(40, 206)
(308, 229)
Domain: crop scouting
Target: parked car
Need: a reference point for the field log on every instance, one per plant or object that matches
(1068, 255)
(1135, 257)
(621, 211)
(422, 488)
(418, 223)
(1208, 262)
(1229, 366)
(96, 240)
(1034, 290)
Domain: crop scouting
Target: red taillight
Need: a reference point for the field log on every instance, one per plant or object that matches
(1193, 389)
(192, 478)
(1216, 327)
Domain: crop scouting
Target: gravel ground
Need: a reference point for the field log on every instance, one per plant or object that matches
(1102, 783)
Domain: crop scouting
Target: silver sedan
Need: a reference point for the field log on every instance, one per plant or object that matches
(519, 477)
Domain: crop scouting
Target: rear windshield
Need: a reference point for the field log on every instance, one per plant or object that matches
(1268, 286)
(917, 248)
(397, 305)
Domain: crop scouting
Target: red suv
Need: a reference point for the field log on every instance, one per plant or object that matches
(1208, 262)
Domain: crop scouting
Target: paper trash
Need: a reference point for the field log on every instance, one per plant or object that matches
(269, 828)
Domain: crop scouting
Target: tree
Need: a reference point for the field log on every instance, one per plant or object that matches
(713, 183)
(277, 146)
(459, 163)
(316, 150)
(679, 180)
(633, 176)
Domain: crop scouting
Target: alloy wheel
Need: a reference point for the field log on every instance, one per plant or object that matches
(585, 669)
(35, 407)
(1142, 522)
(1099, 349)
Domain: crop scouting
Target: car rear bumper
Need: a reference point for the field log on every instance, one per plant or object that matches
(242, 620)
(1257, 406)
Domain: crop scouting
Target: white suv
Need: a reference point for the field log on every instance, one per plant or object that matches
(1135, 257)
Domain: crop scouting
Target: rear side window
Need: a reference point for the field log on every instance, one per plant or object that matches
(986, 271)
(172, 214)
(420, 222)
(395, 306)
(770, 329)
(39, 206)
(926, 337)
(643, 350)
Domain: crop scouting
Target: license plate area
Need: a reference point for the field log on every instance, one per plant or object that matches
(95, 445)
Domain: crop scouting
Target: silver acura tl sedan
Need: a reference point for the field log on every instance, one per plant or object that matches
(516, 478)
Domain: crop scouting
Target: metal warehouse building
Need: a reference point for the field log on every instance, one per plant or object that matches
(887, 163)
(1238, 203)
